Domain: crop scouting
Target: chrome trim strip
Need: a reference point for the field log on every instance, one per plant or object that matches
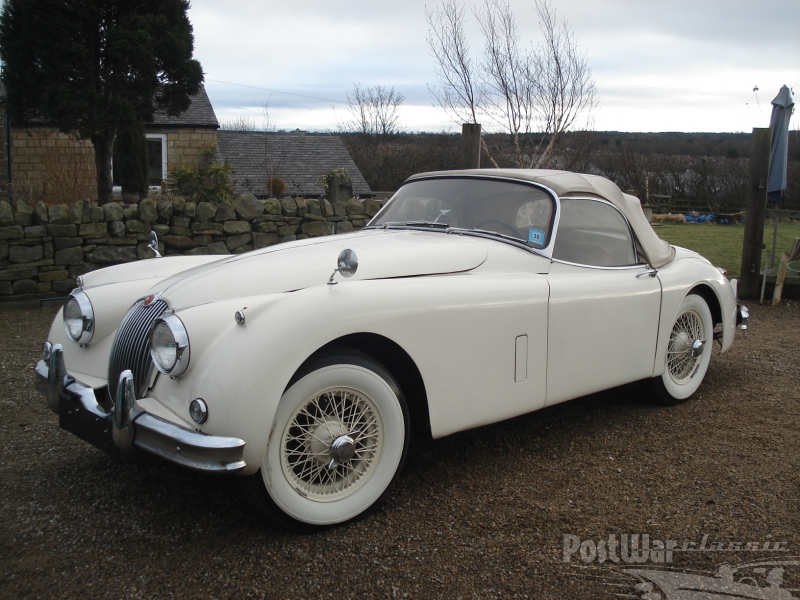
(622, 268)
(224, 260)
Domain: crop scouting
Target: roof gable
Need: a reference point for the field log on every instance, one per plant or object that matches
(199, 114)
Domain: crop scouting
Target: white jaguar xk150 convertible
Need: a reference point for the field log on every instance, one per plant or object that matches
(471, 297)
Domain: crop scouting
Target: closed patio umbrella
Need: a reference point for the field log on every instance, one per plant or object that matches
(782, 108)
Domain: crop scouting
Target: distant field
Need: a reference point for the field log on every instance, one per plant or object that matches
(722, 244)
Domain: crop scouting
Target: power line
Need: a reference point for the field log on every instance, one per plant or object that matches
(252, 87)
(233, 105)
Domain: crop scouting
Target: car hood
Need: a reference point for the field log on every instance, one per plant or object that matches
(298, 265)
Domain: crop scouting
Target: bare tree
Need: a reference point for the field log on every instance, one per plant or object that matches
(374, 111)
(460, 94)
(508, 75)
(238, 123)
(565, 89)
(547, 88)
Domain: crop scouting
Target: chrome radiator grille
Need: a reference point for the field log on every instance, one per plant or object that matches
(131, 350)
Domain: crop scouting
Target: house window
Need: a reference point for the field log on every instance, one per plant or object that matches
(157, 158)
(156, 161)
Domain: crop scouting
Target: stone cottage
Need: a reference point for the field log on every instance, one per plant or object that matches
(44, 163)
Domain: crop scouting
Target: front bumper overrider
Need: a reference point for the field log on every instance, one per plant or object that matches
(124, 427)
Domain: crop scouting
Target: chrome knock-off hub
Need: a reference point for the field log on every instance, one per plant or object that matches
(342, 449)
(697, 348)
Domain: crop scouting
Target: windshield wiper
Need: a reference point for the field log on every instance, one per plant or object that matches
(503, 237)
(412, 224)
(496, 234)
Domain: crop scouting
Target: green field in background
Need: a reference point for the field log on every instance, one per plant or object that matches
(722, 244)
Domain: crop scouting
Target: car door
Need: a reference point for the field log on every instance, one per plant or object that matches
(604, 303)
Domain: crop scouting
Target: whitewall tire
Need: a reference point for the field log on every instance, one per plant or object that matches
(688, 353)
(338, 440)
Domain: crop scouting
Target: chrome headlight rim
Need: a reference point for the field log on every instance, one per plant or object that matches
(181, 341)
(87, 315)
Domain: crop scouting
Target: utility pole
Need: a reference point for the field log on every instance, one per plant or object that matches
(471, 146)
(753, 241)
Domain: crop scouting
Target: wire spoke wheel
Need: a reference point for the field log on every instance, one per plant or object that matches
(682, 363)
(688, 353)
(309, 459)
(338, 439)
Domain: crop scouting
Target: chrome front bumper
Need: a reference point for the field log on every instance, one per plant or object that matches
(742, 315)
(80, 414)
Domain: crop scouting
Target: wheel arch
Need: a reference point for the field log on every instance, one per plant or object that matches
(395, 360)
(708, 294)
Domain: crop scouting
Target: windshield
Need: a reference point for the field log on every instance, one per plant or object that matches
(503, 208)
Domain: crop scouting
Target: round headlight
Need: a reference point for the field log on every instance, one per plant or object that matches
(169, 345)
(79, 318)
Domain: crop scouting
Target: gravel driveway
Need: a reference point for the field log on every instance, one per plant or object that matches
(482, 514)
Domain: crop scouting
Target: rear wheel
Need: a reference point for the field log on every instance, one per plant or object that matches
(688, 353)
(338, 441)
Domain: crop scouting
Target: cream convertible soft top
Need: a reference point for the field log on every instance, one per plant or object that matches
(566, 184)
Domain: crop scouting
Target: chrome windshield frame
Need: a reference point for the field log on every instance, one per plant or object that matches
(546, 251)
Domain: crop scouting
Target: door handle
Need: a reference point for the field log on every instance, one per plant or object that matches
(651, 272)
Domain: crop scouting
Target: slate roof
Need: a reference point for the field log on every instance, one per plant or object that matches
(298, 159)
(199, 114)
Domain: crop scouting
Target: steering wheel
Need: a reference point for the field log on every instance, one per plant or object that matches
(516, 231)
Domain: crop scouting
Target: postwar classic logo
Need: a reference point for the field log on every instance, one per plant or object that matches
(618, 562)
(638, 548)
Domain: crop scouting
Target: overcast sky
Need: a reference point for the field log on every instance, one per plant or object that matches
(659, 65)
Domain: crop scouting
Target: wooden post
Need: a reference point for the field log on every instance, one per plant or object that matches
(471, 146)
(779, 279)
(753, 241)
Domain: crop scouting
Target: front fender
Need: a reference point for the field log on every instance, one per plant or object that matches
(458, 329)
(677, 280)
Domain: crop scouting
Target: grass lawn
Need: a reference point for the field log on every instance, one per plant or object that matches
(722, 244)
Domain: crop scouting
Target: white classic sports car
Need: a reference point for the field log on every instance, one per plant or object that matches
(471, 297)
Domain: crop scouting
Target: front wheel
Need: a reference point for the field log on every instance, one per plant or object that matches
(688, 353)
(338, 440)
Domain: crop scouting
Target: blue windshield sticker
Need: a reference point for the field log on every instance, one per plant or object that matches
(536, 236)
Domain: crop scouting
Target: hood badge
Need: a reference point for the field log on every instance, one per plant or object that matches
(148, 300)
(346, 264)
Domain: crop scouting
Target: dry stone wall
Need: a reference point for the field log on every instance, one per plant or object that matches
(44, 248)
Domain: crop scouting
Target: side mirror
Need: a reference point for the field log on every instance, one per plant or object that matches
(346, 264)
(153, 245)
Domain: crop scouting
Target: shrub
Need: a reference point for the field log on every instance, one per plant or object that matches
(326, 179)
(211, 182)
(276, 186)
